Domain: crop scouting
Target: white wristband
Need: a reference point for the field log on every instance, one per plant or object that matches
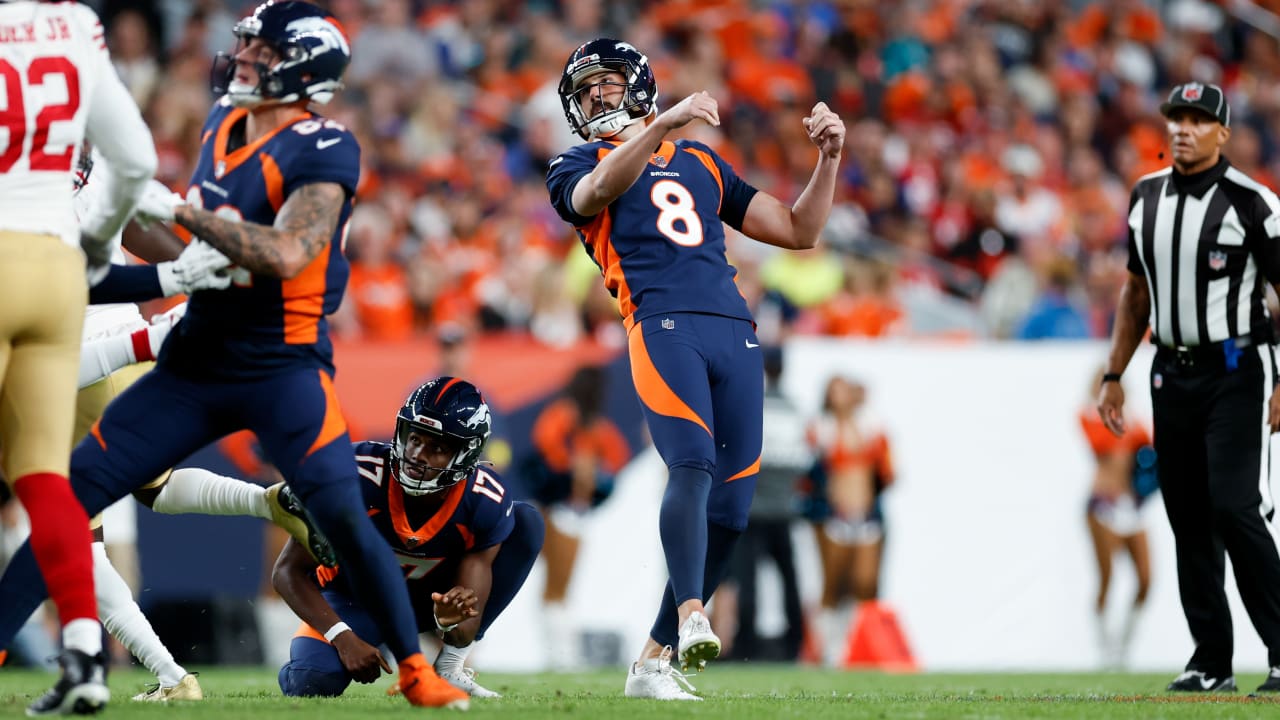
(337, 629)
(442, 628)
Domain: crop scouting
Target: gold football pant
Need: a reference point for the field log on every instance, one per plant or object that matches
(42, 299)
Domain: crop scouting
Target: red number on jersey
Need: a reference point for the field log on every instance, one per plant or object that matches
(13, 117)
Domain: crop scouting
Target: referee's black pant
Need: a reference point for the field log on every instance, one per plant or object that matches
(1212, 445)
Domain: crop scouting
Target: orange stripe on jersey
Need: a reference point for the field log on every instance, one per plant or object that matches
(652, 389)
(334, 424)
(304, 301)
(224, 162)
(748, 471)
(96, 432)
(447, 385)
(306, 631)
(400, 521)
(599, 236)
(325, 575)
(274, 181)
(707, 160)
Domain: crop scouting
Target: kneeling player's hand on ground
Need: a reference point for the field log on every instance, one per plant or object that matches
(157, 203)
(456, 606)
(361, 660)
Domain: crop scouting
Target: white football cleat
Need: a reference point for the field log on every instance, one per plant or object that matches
(465, 680)
(655, 679)
(697, 643)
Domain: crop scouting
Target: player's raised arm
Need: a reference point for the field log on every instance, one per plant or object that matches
(797, 227)
(618, 171)
(293, 577)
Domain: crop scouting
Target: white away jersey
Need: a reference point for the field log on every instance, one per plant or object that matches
(59, 88)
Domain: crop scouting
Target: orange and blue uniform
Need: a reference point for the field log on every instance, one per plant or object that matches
(475, 514)
(257, 357)
(695, 358)
(694, 353)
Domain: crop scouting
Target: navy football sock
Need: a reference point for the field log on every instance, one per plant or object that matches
(514, 561)
(720, 543)
(368, 563)
(682, 524)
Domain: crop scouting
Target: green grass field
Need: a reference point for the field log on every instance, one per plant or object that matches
(731, 691)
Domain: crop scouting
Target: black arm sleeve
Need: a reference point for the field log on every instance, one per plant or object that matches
(127, 283)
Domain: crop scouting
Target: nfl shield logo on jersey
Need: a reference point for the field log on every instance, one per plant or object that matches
(1217, 260)
(1157, 381)
(1192, 91)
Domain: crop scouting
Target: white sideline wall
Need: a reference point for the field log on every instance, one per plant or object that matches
(988, 564)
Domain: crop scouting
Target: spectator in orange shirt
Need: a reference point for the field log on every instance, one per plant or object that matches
(1124, 477)
(576, 453)
(378, 287)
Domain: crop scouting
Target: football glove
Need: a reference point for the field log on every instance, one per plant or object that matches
(157, 203)
(200, 267)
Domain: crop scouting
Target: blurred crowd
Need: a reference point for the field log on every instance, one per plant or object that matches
(985, 180)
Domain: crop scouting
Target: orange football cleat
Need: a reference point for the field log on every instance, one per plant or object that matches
(421, 686)
(4, 655)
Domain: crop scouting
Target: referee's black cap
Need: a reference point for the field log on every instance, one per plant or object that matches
(1205, 98)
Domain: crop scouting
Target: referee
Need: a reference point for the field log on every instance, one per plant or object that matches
(1203, 240)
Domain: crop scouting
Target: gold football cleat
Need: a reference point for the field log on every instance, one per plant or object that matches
(288, 513)
(188, 688)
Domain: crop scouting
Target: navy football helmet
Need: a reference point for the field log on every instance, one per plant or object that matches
(640, 90)
(314, 53)
(448, 408)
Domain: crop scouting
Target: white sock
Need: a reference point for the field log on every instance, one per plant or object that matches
(1127, 632)
(124, 620)
(100, 358)
(451, 657)
(835, 630)
(200, 492)
(559, 635)
(84, 635)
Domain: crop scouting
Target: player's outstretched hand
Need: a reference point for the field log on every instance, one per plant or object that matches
(455, 606)
(361, 660)
(826, 130)
(201, 266)
(157, 203)
(699, 105)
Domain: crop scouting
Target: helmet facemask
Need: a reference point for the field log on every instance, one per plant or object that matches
(639, 97)
(433, 478)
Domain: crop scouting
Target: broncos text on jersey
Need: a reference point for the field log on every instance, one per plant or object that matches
(476, 514)
(264, 324)
(661, 245)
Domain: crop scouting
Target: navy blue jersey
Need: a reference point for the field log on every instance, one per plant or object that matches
(660, 246)
(476, 514)
(261, 324)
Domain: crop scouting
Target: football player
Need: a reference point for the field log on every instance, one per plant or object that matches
(651, 213)
(60, 89)
(272, 190)
(465, 547)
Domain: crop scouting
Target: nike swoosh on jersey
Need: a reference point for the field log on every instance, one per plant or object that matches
(751, 344)
(555, 162)
(322, 144)
(510, 508)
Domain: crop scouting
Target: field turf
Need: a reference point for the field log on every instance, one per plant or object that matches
(731, 691)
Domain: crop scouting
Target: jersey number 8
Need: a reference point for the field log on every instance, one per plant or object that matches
(675, 205)
(13, 117)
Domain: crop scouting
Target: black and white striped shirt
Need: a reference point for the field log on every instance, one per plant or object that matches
(1205, 243)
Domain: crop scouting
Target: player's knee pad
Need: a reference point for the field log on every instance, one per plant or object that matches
(298, 680)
